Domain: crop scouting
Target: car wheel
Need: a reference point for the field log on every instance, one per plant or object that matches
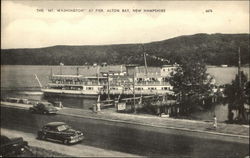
(21, 150)
(65, 141)
(43, 137)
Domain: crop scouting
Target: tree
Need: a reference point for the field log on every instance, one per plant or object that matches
(237, 95)
(191, 82)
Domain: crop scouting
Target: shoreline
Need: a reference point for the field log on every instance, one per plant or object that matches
(230, 131)
(111, 65)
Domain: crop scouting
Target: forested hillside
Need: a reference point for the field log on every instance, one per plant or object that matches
(217, 49)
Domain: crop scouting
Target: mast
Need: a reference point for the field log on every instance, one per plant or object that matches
(38, 81)
(145, 61)
(77, 71)
(61, 64)
(97, 73)
(134, 92)
(51, 73)
(60, 69)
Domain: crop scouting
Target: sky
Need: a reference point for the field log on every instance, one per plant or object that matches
(36, 24)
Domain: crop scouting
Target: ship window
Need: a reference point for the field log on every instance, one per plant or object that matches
(89, 88)
(152, 88)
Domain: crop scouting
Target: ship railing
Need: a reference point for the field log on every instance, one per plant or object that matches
(112, 84)
(139, 92)
(131, 101)
(77, 84)
(141, 83)
(149, 83)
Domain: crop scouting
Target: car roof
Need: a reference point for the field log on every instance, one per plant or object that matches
(55, 124)
(45, 103)
(4, 138)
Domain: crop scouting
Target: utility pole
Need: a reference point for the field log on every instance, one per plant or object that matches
(145, 61)
(241, 104)
(108, 88)
(239, 68)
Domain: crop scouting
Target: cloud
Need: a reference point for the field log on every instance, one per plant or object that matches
(24, 27)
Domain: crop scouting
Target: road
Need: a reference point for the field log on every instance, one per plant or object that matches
(128, 138)
(77, 150)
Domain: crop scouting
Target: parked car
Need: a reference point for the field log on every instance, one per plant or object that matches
(57, 104)
(13, 100)
(60, 131)
(12, 147)
(43, 108)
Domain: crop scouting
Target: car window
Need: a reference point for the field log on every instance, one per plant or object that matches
(4, 140)
(45, 128)
(40, 106)
(48, 128)
(47, 105)
(62, 127)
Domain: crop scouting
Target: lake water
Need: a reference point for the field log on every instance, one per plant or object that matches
(19, 81)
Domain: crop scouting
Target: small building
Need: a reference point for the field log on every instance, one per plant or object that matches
(131, 69)
(104, 64)
(166, 70)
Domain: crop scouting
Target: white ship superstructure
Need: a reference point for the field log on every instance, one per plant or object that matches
(111, 82)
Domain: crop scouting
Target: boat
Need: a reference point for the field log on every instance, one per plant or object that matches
(74, 86)
(130, 82)
(224, 65)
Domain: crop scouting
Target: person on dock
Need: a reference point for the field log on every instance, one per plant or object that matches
(215, 122)
(98, 104)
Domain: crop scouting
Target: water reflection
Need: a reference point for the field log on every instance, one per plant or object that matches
(220, 110)
(73, 102)
(80, 103)
(20, 78)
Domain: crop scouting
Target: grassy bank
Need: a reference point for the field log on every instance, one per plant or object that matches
(40, 152)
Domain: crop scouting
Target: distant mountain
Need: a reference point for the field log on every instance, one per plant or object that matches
(217, 49)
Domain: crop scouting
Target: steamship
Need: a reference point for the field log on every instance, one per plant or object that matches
(126, 82)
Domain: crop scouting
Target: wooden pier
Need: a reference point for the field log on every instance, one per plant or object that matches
(159, 104)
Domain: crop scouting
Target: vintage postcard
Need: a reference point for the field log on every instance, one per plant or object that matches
(125, 78)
